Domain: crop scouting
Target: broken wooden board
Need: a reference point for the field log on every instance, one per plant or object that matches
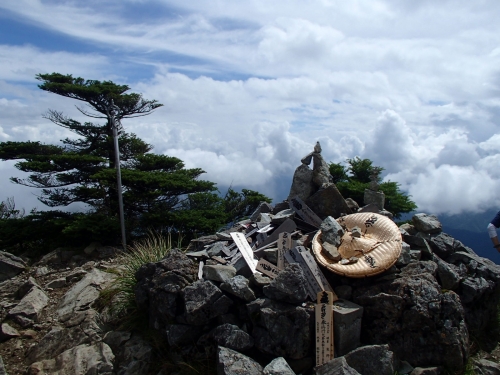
(247, 235)
(315, 280)
(324, 327)
(304, 212)
(245, 249)
(267, 268)
(287, 226)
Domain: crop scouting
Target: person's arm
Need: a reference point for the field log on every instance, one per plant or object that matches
(492, 231)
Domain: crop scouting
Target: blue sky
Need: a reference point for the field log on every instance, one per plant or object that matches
(249, 87)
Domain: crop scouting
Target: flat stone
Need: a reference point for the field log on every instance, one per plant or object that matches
(10, 265)
(203, 302)
(29, 308)
(328, 201)
(337, 366)
(288, 286)
(374, 197)
(83, 294)
(94, 359)
(218, 272)
(302, 183)
(57, 283)
(347, 328)
(331, 231)
(230, 362)
(278, 366)
(232, 337)
(331, 251)
(427, 223)
(238, 286)
(372, 360)
(485, 367)
(7, 332)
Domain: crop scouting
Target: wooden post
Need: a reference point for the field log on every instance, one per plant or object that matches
(324, 328)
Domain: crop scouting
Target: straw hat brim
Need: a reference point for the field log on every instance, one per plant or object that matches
(377, 249)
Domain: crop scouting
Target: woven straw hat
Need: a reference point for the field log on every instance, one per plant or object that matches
(378, 248)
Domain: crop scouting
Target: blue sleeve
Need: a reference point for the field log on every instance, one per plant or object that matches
(496, 220)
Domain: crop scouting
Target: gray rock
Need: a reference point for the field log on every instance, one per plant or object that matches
(426, 223)
(94, 359)
(83, 294)
(54, 257)
(132, 357)
(182, 334)
(321, 171)
(29, 308)
(116, 338)
(281, 216)
(343, 291)
(263, 207)
(281, 329)
(9, 288)
(337, 366)
(328, 201)
(427, 371)
(10, 265)
(352, 204)
(7, 332)
(57, 283)
(404, 368)
(217, 249)
(485, 367)
(26, 287)
(56, 341)
(302, 183)
(203, 301)
(91, 248)
(260, 280)
(374, 197)
(331, 251)
(405, 256)
(372, 360)
(447, 276)
(2, 367)
(230, 362)
(218, 272)
(76, 275)
(331, 231)
(288, 286)
(42, 271)
(472, 289)
(399, 311)
(278, 366)
(230, 336)
(238, 286)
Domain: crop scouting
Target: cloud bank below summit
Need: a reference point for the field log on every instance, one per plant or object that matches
(248, 89)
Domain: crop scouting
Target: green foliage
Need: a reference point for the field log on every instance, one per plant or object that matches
(120, 295)
(355, 178)
(158, 191)
(338, 172)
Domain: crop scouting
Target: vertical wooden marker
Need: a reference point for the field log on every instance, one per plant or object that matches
(284, 244)
(324, 327)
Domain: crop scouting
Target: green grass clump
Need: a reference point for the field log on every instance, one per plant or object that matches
(119, 297)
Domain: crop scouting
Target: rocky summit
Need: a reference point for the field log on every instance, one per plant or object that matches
(243, 300)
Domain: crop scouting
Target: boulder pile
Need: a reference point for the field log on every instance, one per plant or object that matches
(210, 302)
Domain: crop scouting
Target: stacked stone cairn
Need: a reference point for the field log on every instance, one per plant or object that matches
(208, 303)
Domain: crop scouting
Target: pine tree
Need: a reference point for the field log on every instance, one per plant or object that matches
(159, 191)
(353, 179)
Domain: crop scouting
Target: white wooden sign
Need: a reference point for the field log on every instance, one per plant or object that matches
(267, 268)
(284, 244)
(245, 249)
(305, 213)
(324, 328)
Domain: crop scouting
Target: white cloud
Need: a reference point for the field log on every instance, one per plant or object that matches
(249, 87)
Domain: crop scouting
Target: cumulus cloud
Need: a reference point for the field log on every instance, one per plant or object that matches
(249, 88)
